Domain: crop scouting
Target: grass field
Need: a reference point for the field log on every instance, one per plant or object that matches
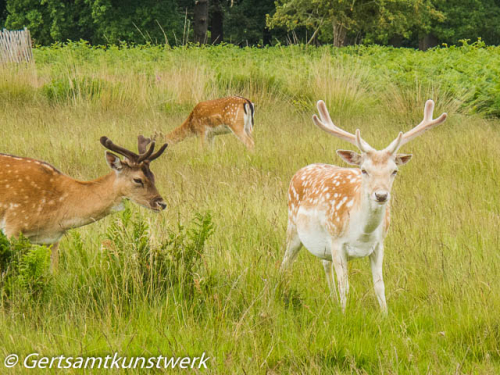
(442, 252)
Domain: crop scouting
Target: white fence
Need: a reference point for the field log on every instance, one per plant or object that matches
(15, 46)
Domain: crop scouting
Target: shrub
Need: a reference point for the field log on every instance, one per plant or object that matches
(138, 267)
(24, 270)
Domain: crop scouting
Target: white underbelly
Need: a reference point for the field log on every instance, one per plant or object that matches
(45, 239)
(318, 241)
(313, 235)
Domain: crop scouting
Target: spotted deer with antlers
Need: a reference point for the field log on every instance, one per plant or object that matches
(343, 213)
(42, 203)
(233, 114)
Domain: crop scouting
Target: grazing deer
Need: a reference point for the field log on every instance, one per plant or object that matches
(42, 203)
(343, 213)
(216, 117)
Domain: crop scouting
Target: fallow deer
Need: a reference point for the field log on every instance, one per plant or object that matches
(215, 117)
(42, 203)
(343, 213)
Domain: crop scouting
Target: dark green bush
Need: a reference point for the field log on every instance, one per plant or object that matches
(139, 266)
(24, 270)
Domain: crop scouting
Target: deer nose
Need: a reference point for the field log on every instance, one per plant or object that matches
(381, 196)
(159, 203)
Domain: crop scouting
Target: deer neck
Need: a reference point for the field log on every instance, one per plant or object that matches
(371, 215)
(180, 133)
(90, 201)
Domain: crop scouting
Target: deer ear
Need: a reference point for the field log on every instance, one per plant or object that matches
(350, 157)
(402, 159)
(114, 161)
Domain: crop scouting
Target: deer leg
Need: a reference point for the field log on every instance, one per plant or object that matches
(327, 265)
(247, 141)
(54, 257)
(293, 245)
(250, 137)
(203, 139)
(245, 138)
(210, 140)
(339, 260)
(376, 259)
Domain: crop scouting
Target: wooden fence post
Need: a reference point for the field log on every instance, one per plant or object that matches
(15, 46)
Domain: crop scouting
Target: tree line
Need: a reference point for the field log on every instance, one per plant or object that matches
(410, 23)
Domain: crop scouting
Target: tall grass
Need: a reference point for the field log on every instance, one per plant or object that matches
(140, 283)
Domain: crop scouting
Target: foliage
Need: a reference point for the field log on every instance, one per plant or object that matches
(137, 265)
(467, 75)
(398, 22)
(147, 21)
(471, 19)
(24, 270)
(70, 89)
(245, 22)
(3, 12)
(375, 21)
(32, 14)
(97, 21)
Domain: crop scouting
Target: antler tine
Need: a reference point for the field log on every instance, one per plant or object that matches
(428, 110)
(360, 142)
(106, 142)
(147, 154)
(427, 123)
(158, 153)
(326, 124)
(143, 142)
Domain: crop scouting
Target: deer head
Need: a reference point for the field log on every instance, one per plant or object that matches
(378, 168)
(134, 178)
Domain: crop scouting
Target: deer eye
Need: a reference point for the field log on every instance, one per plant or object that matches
(395, 172)
(364, 172)
(138, 181)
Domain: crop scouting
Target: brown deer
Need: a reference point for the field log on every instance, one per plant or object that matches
(343, 213)
(42, 203)
(215, 117)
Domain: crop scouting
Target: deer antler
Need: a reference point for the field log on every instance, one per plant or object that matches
(143, 142)
(158, 153)
(328, 126)
(147, 154)
(427, 123)
(144, 153)
(106, 142)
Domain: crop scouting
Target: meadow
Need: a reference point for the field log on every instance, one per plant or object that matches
(202, 276)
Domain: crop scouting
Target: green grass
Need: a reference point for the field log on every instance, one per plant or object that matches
(442, 252)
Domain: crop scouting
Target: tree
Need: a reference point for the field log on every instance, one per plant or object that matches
(98, 21)
(200, 21)
(315, 15)
(468, 19)
(339, 20)
(3, 12)
(245, 21)
(153, 21)
(32, 14)
(217, 22)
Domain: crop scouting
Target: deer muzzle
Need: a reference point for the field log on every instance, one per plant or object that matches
(158, 204)
(381, 196)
